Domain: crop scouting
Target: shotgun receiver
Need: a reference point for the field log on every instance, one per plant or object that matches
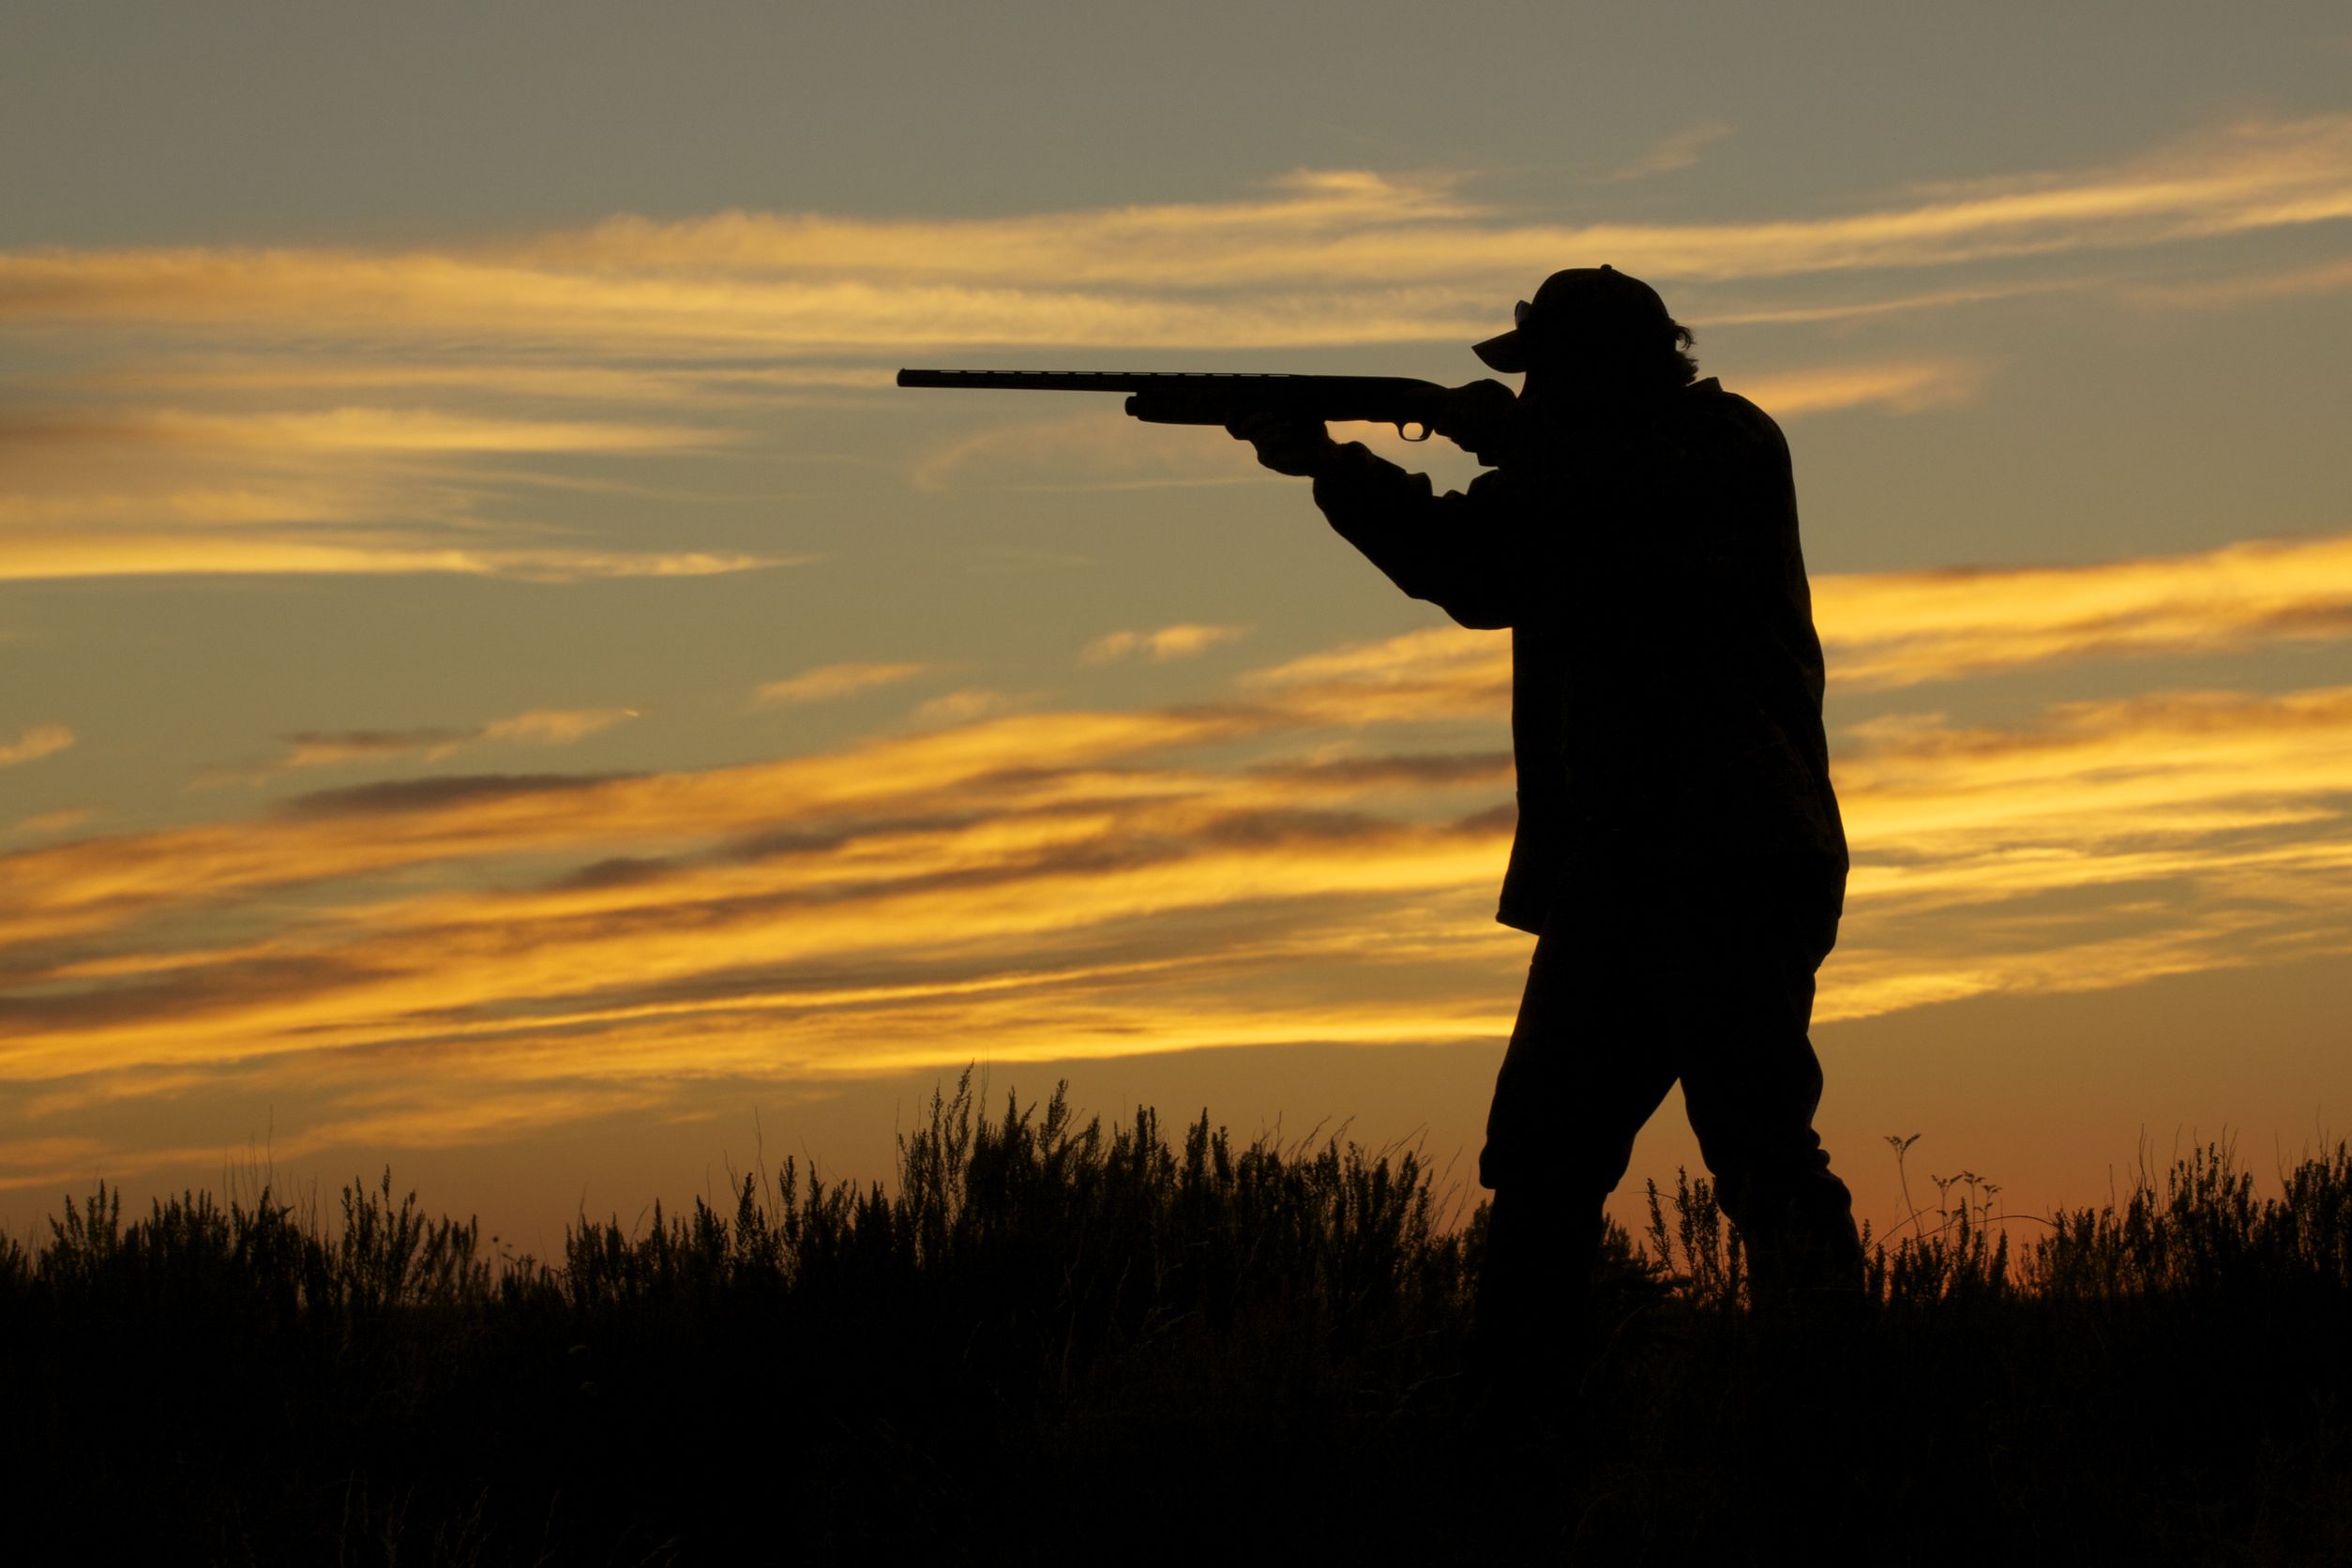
(1168, 397)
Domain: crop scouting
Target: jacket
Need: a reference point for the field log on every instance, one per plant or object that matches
(1666, 679)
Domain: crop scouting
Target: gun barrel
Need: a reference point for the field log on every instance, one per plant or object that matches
(1217, 398)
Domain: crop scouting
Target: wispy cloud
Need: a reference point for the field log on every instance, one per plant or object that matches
(553, 381)
(1323, 258)
(120, 491)
(318, 748)
(1849, 307)
(2107, 843)
(1671, 153)
(555, 726)
(1906, 387)
(1901, 628)
(1292, 863)
(1186, 639)
(31, 744)
(380, 407)
(962, 707)
(1883, 630)
(340, 432)
(32, 557)
(830, 681)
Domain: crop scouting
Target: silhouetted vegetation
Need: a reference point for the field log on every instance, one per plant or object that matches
(1053, 1339)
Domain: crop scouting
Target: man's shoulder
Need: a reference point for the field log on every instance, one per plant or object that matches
(1724, 419)
(1712, 400)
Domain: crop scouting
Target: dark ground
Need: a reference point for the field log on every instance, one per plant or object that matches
(1057, 1342)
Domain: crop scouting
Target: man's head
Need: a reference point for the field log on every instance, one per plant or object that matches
(1597, 328)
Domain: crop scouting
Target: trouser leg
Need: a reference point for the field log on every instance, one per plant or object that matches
(1572, 1093)
(1752, 1083)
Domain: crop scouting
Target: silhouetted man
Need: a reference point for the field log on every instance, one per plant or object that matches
(1678, 854)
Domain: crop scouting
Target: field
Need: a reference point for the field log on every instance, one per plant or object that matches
(1050, 1340)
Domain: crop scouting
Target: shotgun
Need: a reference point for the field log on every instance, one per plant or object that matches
(1176, 398)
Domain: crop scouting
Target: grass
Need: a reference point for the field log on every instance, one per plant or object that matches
(1053, 1339)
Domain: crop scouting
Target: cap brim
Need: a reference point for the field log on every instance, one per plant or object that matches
(1507, 354)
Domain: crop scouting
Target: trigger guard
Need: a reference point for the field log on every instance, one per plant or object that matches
(1406, 426)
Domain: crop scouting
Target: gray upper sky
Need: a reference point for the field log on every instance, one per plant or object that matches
(159, 121)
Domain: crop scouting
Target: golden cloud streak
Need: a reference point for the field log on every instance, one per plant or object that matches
(1048, 884)
(40, 740)
(1891, 629)
(830, 681)
(1900, 629)
(33, 557)
(1411, 260)
(988, 849)
(538, 727)
(1330, 259)
(554, 381)
(112, 492)
(1905, 388)
(1184, 640)
(70, 887)
(343, 431)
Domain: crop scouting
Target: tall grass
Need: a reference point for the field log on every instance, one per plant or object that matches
(1046, 1326)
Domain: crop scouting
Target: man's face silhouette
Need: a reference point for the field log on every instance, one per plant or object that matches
(1576, 386)
(1581, 342)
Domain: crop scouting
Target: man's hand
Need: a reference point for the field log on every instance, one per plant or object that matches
(1286, 442)
(1481, 418)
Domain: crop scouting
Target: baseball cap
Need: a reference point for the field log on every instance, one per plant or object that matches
(1582, 303)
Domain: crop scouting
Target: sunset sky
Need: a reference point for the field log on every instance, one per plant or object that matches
(494, 680)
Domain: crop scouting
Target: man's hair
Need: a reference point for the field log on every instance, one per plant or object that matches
(1686, 363)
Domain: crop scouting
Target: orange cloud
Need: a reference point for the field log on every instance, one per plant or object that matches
(31, 557)
(1184, 641)
(1890, 630)
(555, 726)
(1333, 258)
(1311, 858)
(1900, 629)
(100, 492)
(1033, 859)
(2108, 843)
(424, 394)
(41, 740)
(960, 707)
(1676, 152)
(329, 748)
(557, 381)
(829, 681)
(1903, 388)
(341, 431)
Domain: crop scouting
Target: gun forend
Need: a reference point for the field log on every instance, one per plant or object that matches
(1192, 397)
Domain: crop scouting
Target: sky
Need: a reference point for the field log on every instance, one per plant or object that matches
(495, 682)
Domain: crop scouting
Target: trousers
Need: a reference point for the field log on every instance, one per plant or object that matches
(1705, 981)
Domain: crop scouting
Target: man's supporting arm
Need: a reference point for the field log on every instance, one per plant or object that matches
(1461, 551)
